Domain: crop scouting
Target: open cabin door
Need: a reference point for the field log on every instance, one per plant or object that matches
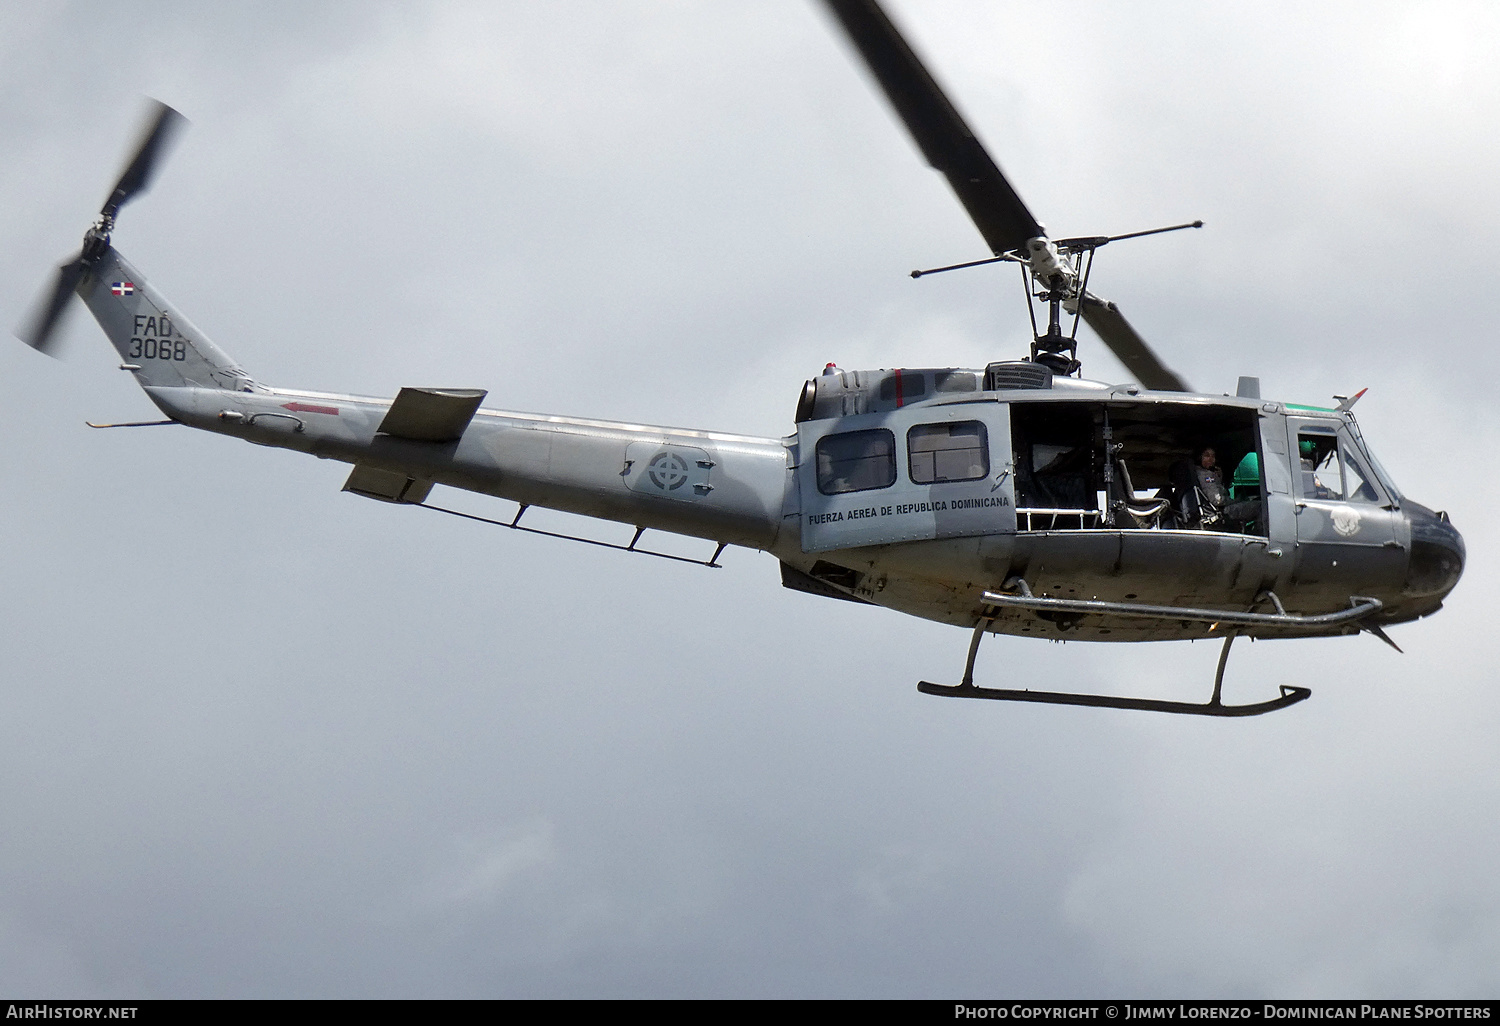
(912, 474)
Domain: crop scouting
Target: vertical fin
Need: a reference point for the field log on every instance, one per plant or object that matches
(159, 345)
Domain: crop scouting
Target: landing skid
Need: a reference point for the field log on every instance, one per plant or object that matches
(1213, 707)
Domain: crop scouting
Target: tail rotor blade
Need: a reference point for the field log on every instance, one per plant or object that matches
(1111, 326)
(137, 175)
(38, 332)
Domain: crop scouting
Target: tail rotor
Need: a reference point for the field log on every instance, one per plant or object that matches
(40, 330)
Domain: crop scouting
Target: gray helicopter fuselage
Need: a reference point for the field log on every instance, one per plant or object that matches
(918, 490)
(1056, 485)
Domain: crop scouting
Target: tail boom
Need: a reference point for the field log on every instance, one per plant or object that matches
(729, 488)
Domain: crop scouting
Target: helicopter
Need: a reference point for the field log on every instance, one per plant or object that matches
(1019, 498)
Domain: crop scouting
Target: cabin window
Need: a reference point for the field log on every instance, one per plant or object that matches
(955, 381)
(907, 386)
(1331, 471)
(938, 453)
(1357, 487)
(856, 461)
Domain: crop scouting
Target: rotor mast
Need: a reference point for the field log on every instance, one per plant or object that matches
(1051, 278)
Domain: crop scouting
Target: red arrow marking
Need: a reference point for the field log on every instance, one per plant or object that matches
(332, 411)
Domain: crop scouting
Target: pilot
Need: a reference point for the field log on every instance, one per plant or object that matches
(1312, 485)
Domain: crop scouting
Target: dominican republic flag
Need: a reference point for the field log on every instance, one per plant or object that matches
(123, 288)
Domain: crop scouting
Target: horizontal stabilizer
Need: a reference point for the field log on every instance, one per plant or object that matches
(432, 414)
(386, 485)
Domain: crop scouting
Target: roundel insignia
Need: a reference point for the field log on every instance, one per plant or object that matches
(668, 471)
(1346, 522)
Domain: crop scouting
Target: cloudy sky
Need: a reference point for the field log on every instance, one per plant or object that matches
(261, 738)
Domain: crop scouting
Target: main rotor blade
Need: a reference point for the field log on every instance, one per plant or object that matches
(945, 139)
(137, 175)
(1111, 326)
(38, 330)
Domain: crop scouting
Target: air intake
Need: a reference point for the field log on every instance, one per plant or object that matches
(1016, 374)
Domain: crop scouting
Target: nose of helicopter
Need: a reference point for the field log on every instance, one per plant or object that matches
(1437, 556)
